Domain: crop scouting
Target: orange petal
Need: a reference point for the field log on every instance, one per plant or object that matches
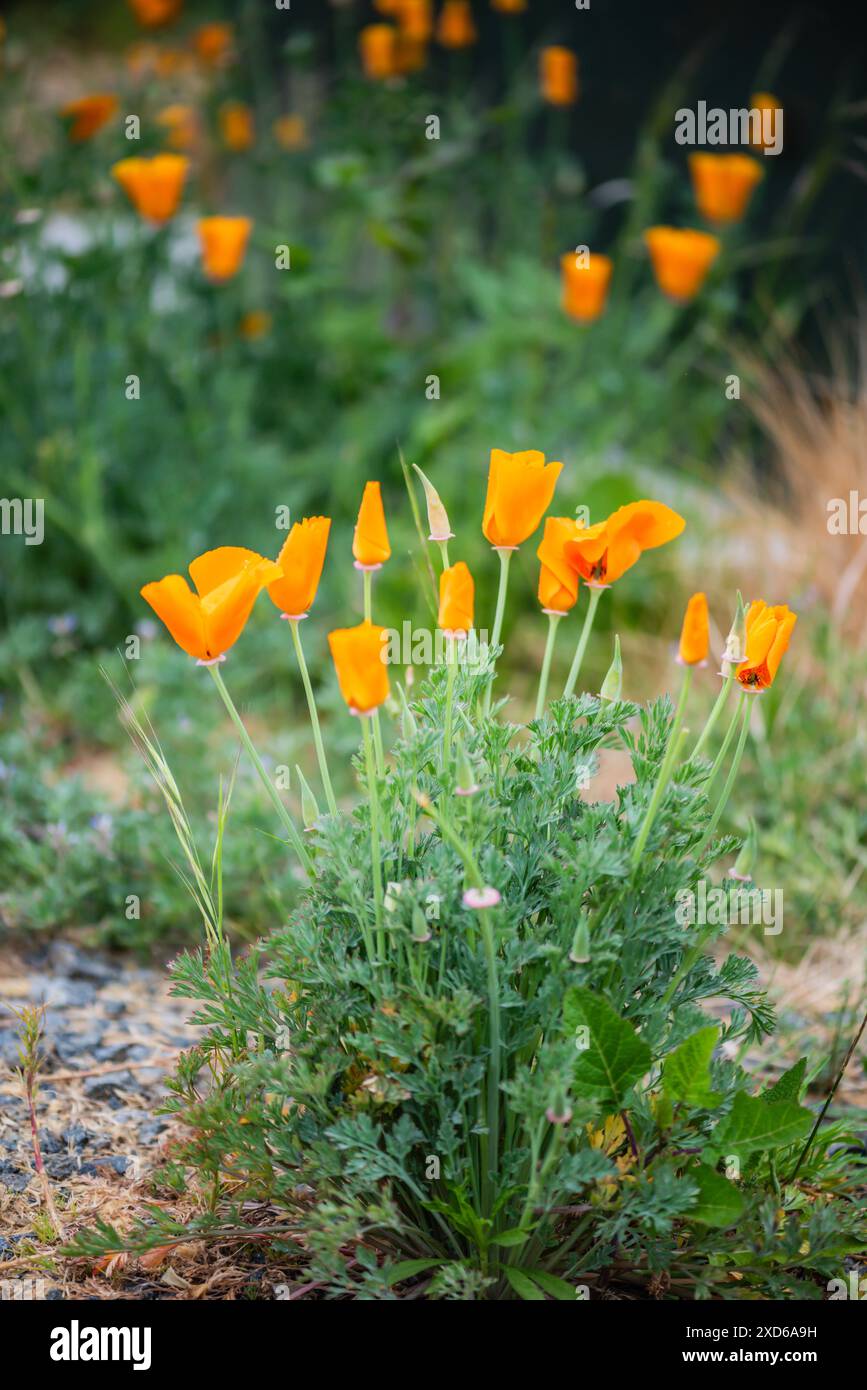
(180, 609)
(370, 544)
(362, 674)
(301, 561)
(695, 634)
(213, 568)
(520, 490)
(457, 593)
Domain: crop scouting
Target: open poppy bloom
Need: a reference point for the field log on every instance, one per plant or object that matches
(87, 115)
(681, 259)
(301, 561)
(520, 489)
(153, 13)
(768, 633)
(357, 653)
(457, 593)
(558, 75)
(603, 552)
(456, 28)
(205, 624)
(213, 43)
(236, 126)
(558, 579)
(377, 45)
(585, 287)
(153, 186)
(723, 184)
(370, 545)
(224, 242)
(695, 633)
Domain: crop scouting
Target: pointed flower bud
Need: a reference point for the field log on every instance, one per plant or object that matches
(613, 682)
(467, 784)
(309, 807)
(736, 642)
(421, 931)
(437, 517)
(746, 860)
(580, 952)
(408, 724)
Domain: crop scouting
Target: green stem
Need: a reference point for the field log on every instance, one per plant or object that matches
(505, 560)
(744, 711)
(831, 1094)
(595, 595)
(367, 588)
(724, 747)
(553, 622)
(493, 1146)
(444, 551)
(675, 740)
(285, 818)
(314, 717)
(714, 715)
(367, 584)
(451, 670)
(375, 853)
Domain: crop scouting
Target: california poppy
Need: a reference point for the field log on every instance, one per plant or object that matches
(585, 286)
(87, 115)
(723, 184)
(256, 323)
(153, 186)
(558, 578)
(558, 75)
(509, 6)
(357, 653)
(457, 593)
(415, 18)
(301, 561)
(771, 114)
(520, 489)
(370, 545)
(236, 126)
(768, 633)
(290, 132)
(153, 13)
(681, 259)
(224, 242)
(377, 45)
(205, 624)
(695, 633)
(603, 552)
(213, 43)
(181, 126)
(456, 28)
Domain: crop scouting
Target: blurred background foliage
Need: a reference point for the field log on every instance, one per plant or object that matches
(412, 259)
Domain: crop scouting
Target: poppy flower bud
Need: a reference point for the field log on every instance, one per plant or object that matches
(580, 952)
(746, 860)
(437, 517)
(309, 807)
(695, 634)
(736, 642)
(560, 1113)
(467, 784)
(408, 722)
(421, 931)
(613, 682)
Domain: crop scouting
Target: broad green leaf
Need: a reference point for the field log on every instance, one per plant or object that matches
(754, 1125)
(557, 1288)
(524, 1286)
(789, 1085)
(405, 1269)
(514, 1237)
(615, 1056)
(719, 1202)
(686, 1071)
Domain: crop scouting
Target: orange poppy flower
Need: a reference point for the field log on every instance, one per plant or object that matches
(415, 18)
(603, 552)
(182, 130)
(357, 653)
(558, 578)
(290, 132)
(456, 28)
(370, 545)
(236, 126)
(520, 489)
(89, 114)
(153, 186)
(169, 62)
(205, 624)
(153, 13)
(213, 43)
(585, 287)
(256, 323)
(681, 259)
(301, 561)
(723, 184)
(509, 6)
(768, 633)
(558, 76)
(695, 633)
(377, 45)
(389, 7)
(457, 594)
(410, 56)
(764, 102)
(224, 242)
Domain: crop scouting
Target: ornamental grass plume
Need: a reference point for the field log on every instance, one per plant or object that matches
(154, 186)
(224, 243)
(724, 184)
(89, 114)
(681, 259)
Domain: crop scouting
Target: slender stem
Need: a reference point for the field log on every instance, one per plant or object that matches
(314, 717)
(493, 1146)
(831, 1094)
(444, 551)
(367, 589)
(724, 748)
(451, 670)
(553, 622)
(595, 595)
(744, 712)
(367, 584)
(285, 818)
(375, 853)
(675, 740)
(714, 715)
(505, 561)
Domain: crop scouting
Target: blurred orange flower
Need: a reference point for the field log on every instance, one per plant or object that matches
(723, 184)
(182, 130)
(224, 243)
(377, 45)
(236, 126)
(89, 114)
(768, 633)
(411, 55)
(695, 633)
(764, 102)
(415, 18)
(585, 286)
(141, 58)
(152, 13)
(205, 624)
(389, 7)
(558, 579)
(603, 552)
(153, 186)
(301, 561)
(520, 489)
(558, 73)
(255, 324)
(290, 132)
(213, 43)
(457, 593)
(681, 259)
(370, 545)
(357, 653)
(169, 62)
(455, 28)
(509, 6)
